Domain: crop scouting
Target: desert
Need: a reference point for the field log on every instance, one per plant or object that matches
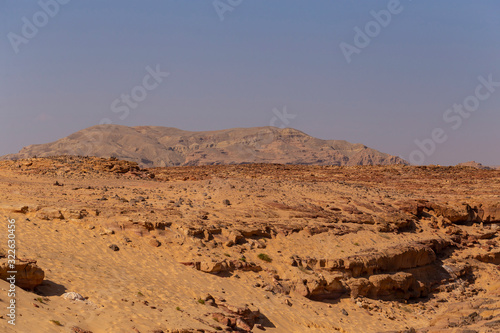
(249, 166)
(254, 247)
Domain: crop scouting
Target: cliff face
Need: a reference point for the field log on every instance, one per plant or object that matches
(153, 146)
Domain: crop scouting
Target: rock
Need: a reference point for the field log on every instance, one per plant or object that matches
(226, 202)
(224, 266)
(114, 247)
(209, 300)
(28, 276)
(49, 214)
(76, 329)
(75, 214)
(391, 259)
(233, 237)
(391, 285)
(212, 266)
(244, 266)
(401, 285)
(359, 287)
(73, 296)
(107, 232)
(21, 209)
(154, 243)
(490, 258)
(487, 235)
(489, 212)
(326, 286)
(241, 318)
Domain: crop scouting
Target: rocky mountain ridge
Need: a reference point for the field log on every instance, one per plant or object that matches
(154, 146)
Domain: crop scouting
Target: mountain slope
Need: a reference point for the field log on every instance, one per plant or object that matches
(154, 146)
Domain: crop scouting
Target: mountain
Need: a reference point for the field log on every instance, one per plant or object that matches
(154, 146)
(474, 164)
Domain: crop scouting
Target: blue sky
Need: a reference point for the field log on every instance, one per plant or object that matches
(263, 55)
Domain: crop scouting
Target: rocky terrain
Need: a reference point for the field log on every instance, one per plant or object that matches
(153, 146)
(474, 164)
(105, 245)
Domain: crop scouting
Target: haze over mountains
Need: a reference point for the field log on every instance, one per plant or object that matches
(154, 146)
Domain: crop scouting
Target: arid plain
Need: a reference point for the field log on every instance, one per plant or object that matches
(257, 247)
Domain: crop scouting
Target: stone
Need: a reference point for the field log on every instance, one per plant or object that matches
(76, 329)
(28, 276)
(49, 214)
(490, 258)
(154, 243)
(73, 296)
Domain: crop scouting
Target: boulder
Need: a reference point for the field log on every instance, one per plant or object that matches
(28, 276)
(490, 257)
(489, 212)
(212, 266)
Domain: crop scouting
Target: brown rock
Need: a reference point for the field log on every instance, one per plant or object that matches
(491, 258)
(154, 242)
(391, 285)
(76, 329)
(28, 276)
(359, 287)
(49, 214)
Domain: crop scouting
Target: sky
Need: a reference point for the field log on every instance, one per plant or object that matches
(416, 79)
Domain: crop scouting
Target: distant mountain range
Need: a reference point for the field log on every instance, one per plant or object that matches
(154, 146)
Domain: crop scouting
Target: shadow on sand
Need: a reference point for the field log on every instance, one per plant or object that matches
(49, 288)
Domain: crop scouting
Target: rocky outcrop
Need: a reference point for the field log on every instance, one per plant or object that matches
(388, 260)
(488, 211)
(240, 318)
(28, 275)
(320, 286)
(49, 214)
(393, 273)
(401, 285)
(224, 266)
(490, 258)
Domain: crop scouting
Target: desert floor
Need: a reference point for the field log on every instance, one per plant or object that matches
(272, 248)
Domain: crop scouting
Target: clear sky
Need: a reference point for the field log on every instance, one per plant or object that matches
(374, 72)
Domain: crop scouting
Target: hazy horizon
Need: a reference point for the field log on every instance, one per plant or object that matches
(407, 78)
